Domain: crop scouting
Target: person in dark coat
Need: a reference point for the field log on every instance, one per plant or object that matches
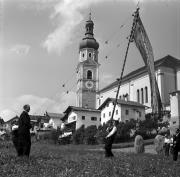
(112, 130)
(176, 144)
(24, 137)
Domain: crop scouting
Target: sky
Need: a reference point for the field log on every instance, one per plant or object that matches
(39, 42)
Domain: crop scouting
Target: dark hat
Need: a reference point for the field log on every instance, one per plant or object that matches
(177, 130)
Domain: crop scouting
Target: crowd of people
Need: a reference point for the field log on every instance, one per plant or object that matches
(172, 144)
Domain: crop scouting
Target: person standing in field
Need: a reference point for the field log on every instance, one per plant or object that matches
(176, 144)
(109, 139)
(24, 137)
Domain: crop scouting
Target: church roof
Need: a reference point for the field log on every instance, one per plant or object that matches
(121, 102)
(89, 41)
(167, 61)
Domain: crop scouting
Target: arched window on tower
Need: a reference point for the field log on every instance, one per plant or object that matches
(146, 94)
(138, 96)
(142, 96)
(90, 55)
(89, 74)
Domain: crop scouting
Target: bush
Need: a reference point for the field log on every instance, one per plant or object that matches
(78, 136)
(55, 135)
(139, 144)
(101, 134)
(123, 131)
(89, 137)
(65, 140)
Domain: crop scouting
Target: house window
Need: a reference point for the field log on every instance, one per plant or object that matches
(142, 96)
(146, 94)
(104, 115)
(116, 112)
(89, 74)
(100, 119)
(127, 97)
(74, 118)
(83, 117)
(83, 55)
(127, 112)
(109, 114)
(93, 118)
(138, 96)
(90, 54)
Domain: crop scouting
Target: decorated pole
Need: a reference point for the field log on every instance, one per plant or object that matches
(136, 14)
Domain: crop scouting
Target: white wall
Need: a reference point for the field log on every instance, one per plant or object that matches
(109, 108)
(133, 112)
(77, 116)
(169, 83)
(129, 88)
(166, 79)
(72, 117)
(178, 79)
(55, 122)
(175, 110)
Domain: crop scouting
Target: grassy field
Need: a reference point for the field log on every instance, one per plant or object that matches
(49, 160)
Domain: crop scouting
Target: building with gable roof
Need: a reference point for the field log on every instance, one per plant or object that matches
(125, 110)
(75, 117)
(136, 86)
(54, 119)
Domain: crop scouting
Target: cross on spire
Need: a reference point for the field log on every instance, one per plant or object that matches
(90, 15)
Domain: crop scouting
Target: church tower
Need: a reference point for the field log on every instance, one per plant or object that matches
(88, 69)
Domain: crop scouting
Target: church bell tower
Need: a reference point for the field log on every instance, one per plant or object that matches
(88, 69)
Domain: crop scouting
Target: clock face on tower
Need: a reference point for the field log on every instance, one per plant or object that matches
(89, 84)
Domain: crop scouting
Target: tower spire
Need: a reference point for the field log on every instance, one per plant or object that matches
(90, 15)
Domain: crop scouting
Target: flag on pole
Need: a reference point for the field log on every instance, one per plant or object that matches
(143, 44)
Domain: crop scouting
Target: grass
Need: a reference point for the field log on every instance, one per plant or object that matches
(49, 160)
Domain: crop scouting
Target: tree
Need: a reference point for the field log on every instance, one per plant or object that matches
(1, 121)
(78, 136)
(90, 132)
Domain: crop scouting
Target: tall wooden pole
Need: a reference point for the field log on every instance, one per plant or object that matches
(129, 41)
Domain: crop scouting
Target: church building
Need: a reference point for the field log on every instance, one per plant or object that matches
(134, 95)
